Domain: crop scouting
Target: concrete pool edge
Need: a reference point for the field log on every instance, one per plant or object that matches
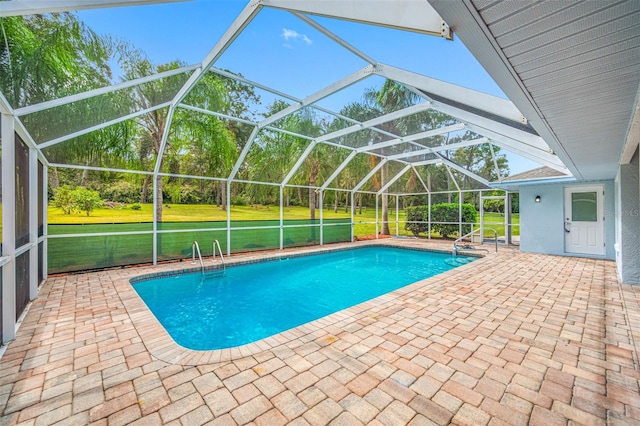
(162, 346)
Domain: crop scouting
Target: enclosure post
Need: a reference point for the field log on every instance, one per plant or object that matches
(429, 215)
(9, 228)
(228, 201)
(320, 202)
(45, 221)
(397, 215)
(376, 216)
(155, 219)
(33, 224)
(507, 219)
(460, 213)
(281, 218)
(352, 212)
(481, 217)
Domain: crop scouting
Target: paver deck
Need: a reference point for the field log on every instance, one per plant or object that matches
(513, 338)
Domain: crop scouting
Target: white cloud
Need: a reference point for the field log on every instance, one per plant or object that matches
(294, 36)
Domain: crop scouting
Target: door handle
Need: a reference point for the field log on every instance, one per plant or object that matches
(567, 230)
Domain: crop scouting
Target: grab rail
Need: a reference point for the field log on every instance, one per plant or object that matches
(216, 243)
(195, 248)
(455, 243)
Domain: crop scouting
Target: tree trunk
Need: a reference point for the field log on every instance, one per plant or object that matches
(159, 199)
(312, 202)
(54, 180)
(145, 189)
(336, 202)
(85, 177)
(359, 203)
(385, 201)
(223, 190)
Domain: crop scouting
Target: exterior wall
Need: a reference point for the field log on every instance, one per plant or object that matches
(542, 224)
(627, 214)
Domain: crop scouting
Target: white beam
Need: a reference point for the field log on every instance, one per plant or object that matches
(337, 171)
(495, 162)
(424, 185)
(422, 135)
(240, 23)
(321, 94)
(243, 154)
(394, 179)
(464, 171)
(438, 148)
(26, 137)
(405, 15)
(32, 7)
(9, 229)
(298, 163)
(101, 126)
(426, 162)
(472, 98)
(369, 175)
(496, 127)
(533, 154)
(453, 178)
(100, 91)
(5, 108)
(335, 38)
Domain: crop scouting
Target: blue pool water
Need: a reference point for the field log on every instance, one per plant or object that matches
(251, 302)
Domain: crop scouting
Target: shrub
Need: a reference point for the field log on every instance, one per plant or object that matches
(120, 191)
(417, 214)
(448, 212)
(443, 212)
(135, 206)
(238, 200)
(86, 200)
(63, 199)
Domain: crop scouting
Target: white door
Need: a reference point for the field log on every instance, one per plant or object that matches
(584, 219)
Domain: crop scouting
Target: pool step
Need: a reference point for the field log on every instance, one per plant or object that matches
(458, 261)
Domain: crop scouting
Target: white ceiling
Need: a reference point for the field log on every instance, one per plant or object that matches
(571, 67)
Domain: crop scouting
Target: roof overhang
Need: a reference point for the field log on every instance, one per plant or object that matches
(565, 68)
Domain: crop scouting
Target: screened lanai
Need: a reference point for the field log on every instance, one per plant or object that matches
(340, 130)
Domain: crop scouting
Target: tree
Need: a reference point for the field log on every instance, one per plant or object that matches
(63, 199)
(43, 57)
(86, 200)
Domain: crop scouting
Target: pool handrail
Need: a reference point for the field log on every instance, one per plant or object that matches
(216, 243)
(455, 243)
(195, 248)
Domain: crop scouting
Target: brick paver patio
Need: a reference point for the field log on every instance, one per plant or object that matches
(513, 338)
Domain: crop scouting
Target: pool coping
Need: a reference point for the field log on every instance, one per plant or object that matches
(162, 346)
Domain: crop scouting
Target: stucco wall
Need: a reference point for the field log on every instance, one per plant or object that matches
(627, 215)
(542, 224)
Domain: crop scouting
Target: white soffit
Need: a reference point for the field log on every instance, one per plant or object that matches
(572, 68)
(407, 15)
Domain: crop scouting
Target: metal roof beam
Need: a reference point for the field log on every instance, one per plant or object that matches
(440, 148)
(321, 94)
(101, 126)
(405, 15)
(100, 91)
(427, 134)
(337, 171)
(394, 179)
(298, 163)
(473, 98)
(462, 170)
(33, 7)
(424, 185)
(369, 175)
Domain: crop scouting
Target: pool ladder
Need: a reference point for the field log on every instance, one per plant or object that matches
(195, 249)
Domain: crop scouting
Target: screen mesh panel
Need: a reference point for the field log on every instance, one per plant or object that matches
(82, 253)
(22, 283)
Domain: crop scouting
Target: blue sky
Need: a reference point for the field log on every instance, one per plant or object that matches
(281, 51)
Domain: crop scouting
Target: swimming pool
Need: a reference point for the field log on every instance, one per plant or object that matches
(254, 301)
